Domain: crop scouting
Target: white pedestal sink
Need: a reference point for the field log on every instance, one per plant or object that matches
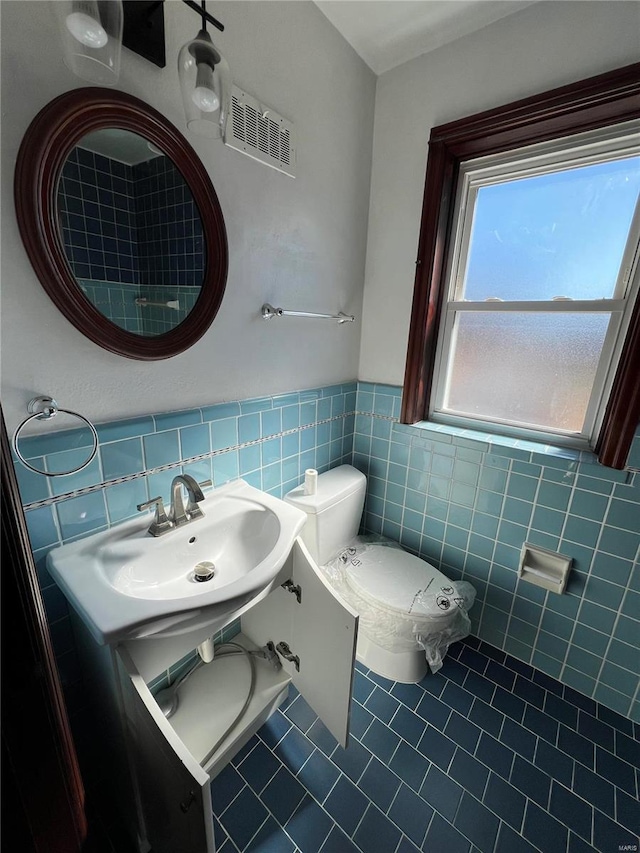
(139, 610)
(126, 584)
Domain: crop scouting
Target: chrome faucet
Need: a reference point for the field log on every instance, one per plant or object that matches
(178, 514)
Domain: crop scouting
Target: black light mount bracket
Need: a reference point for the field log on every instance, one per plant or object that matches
(143, 29)
(200, 8)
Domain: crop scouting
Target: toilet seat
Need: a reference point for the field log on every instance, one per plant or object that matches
(399, 581)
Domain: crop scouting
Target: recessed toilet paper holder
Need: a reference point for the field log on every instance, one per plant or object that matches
(544, 568)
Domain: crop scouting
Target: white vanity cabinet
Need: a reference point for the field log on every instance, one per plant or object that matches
(168, 757)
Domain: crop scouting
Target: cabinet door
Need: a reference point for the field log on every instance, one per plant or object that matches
(174, 794)
(321, 631)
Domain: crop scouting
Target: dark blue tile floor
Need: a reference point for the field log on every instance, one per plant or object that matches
(487, 755)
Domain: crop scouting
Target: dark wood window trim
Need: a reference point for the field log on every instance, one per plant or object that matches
(598, 102)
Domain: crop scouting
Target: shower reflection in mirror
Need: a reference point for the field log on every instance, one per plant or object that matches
(131, 230)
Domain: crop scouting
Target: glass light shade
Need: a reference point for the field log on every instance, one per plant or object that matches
(91, 33)
(205, 82)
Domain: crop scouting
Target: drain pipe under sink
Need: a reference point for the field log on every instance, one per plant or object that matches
(206, 650)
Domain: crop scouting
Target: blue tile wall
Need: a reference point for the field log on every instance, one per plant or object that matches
(459, 502)
(97, 204)
(264, 440)
(116, 301)
(466, 503)
(493, 753)
(157, 319)
(454, 763)
(170, 239)
(132, 231)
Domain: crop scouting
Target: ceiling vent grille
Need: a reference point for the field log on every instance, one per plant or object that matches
(259, 132)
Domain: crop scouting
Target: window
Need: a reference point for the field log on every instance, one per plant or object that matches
(526, 319)
(539, 288)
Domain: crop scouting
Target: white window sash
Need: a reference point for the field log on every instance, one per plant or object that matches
(587, 149)
(543, 306)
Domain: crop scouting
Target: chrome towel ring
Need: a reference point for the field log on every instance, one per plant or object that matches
(44, 409)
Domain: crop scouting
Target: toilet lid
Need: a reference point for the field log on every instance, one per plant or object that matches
(400, 581)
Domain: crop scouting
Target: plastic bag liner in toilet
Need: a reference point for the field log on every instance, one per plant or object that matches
(404, 603)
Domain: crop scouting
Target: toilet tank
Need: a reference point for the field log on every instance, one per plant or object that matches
(333, 513)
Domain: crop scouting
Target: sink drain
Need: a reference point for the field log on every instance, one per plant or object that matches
(204, 571)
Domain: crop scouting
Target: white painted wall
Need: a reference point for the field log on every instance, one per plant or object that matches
(299, 244)
(547, 45)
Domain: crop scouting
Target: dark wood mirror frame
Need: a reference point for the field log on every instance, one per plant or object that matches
(47, 143)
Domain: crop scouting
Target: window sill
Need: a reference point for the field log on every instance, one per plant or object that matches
(502, 445)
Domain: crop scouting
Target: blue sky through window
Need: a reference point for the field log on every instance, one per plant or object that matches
(561, 234)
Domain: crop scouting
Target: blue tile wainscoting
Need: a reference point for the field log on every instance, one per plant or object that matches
(269, 442)
(467, 503)
(524, 741)
(132, 231)
(157, 319)
(118, 303)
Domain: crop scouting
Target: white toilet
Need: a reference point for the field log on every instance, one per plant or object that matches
(409, 611)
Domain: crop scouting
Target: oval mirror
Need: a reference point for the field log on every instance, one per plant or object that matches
(121, 223)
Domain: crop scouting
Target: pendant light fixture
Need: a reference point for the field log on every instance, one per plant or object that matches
(205, 82)
(91, 33)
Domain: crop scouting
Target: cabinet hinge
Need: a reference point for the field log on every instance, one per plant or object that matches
(293, 588)
(268, 652)
(283, 649)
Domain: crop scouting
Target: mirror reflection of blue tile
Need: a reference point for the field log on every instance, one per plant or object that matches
(132, 231)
